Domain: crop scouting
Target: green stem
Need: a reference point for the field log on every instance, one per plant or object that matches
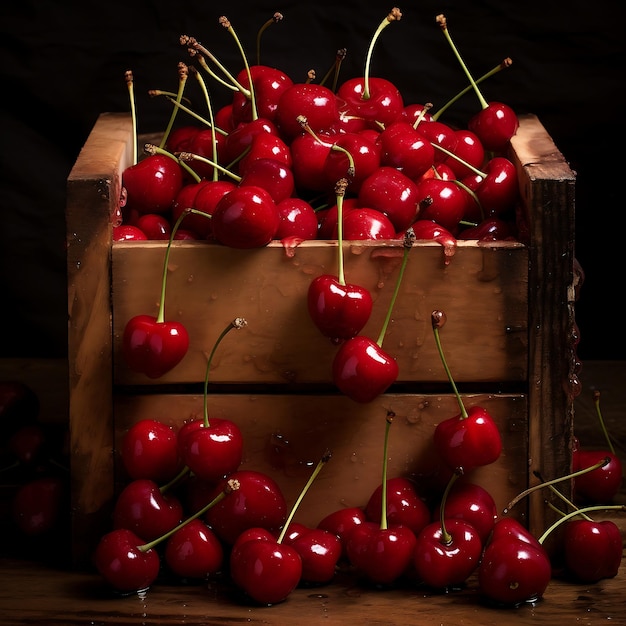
(325, 458)
(409, 239)
(207, 98)
(200, 119)
(596, 401)
(340, 191)
(383, 494)
(277, 17)
(133, 111)
(588, 509)
(438, 319)
(183, 74)
(446, 537)
(393, 16)
(237, 323)
(152, 149)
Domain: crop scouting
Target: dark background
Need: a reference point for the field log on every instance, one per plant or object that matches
(63, 63)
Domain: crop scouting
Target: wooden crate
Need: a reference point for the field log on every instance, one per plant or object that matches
(509, 341)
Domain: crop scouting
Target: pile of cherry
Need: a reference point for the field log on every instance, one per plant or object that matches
(293, 161)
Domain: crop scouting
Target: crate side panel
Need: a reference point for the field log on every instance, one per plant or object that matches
(483, 291)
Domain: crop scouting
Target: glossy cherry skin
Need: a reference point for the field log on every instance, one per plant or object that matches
(144, 509)
(206, 200)
(404, 505)
(339, 311)
(469, 149)
(123, 565)
(406, 149)
(383, 105)
(601, 485)
(320, 551)
(593, 550)
(439, 134)
(362, 370)
(297, 219)
(211, 452)
(513, 571)
(313, 101)
(468, 443)
(489, 229)
(156, 227)
(152, 184)
(269, 83)
(431, 231)
(241, 138)
(442, 201)
(365, 160)
(128, 232)
(393, 193)
(188, 199)
(258, 503)
(447, 562)
(266, 570)
(309, 157)
(245, 218)
(154, 348)
(473, 504)
(498, 191)
(194, 551)
(149, 449)
(341, 522)
(269, 174)
(381, 555)
(494, 126)
(366, 224)
(266, 146)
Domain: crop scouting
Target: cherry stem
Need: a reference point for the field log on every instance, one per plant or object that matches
(458, 158)
(150, 148)
(197, 50)
(190, 156)
(130, 83)
(438, 319)
(587, 509)
(501, 66)
(596, 401)
(340, 190)
(205, 91)
(202, 120)
(443, 23)
(277, 17)
(183, 75)
(335, 69)
(174, 481)
(225, 22)
(557, 493)
(393, 16)
(383, 494)
(320, 464)
(237, 323)
(530, 490)
(409, 240)
(446, 537)
(231, 485)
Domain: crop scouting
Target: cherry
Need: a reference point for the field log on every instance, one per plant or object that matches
(406, 149)
(364, 223)
(315, 102)
(379, 552)
(393, 193)
(404, 505)
(593, 550)
(431, 231)
(28, 444)
(245, 217)
(309, 153)
(149, 449)
(600, 485)
(194, 551)
(440, 135)
(297, 219)
(270, 174)
(212, 448)
(442, 201)
(470, 439)
(267, 146)
(128, 232)
(319, 550)
(341, 522)
(489, 229)
(152, 184)
(241, 138)
(186, 199)
(156, 227)
(146, 510)
(497, 189)
(469, 149)
(205, 201)
(179, 139)
(209, 144)
(259, 502)
(37, 505)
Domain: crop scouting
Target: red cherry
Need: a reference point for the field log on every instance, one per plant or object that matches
(382, 555)
(439, 134)
(194, 551)
(494, 126)
(468, 442)
(153, 348)
(593, 550)
(405, 148)
(245, 217)
(383, 104)
(144, 509)
(270, 174)
(444, 560)
(202, 145)
(319, 551)
(393, 193)
(269, 83)
(600, 485)
(266, 570)
(156, 227)
(431, 231)
(339, 311)
(362, 370)
(179, 139)
(206, 201)
(513, 571)
(313, 101)
(309, 156)
(37, 505)
(149, 449)
(123, 564)
(327, 218)
(267, 146)
(240, 139)
(469, 149)
(259, 502)
(27, 443)
(404, 505)
(442, 201)
(152, 184)
(297, 219)
(414, 112)
(498, 191)
(341, 522)
(489, 229)
(211, 451)
(363, 223)
(128, 232)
